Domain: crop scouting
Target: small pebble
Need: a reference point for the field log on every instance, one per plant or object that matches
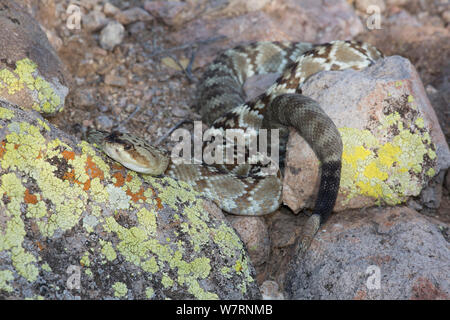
(115, 81)
(94, 21)
(110, 9)
(132, 15)
(104, 122)
(112, 35)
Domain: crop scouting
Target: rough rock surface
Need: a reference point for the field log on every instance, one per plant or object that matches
(408, 251)
(393, 144)
(69, 219)
(254, 234)
(238, 21)
(31, 74)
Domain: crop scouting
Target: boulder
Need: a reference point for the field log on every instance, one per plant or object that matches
(31, 74)
(383, 253)
(393, 144)
(74, 225)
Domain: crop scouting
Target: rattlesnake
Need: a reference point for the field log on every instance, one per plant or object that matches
(246, 189)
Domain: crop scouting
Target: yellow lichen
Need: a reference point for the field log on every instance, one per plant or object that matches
(26, 75)
(380, 169)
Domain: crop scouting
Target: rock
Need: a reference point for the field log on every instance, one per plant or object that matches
(89, 4)
(84, 97)
(94, 21)
(116, 81)
(179, 112)
(291, 20)
(439, 100)
(384, 253)
(31, 74)
(229, 8)
(110, 10)
(446, 16)
(136, 28)
(75, 225)
(104, 122)
(270, 291)
(396, 2)
(172, 13)
(393, 144)
(133, 15)
(54, 40)
(254, 234)
(427, 47)
(363, 5)
(447, 181)
(112, 35)
(431, 196)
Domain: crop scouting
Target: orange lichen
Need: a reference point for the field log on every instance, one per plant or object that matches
(30, 198)
(68, 155)
(70, 176)
(138, 195)
(158, 200)
(39, 155)
(39, 245)
(2, 148)
(116, 166)
(93, 170)
(87, 185)
(120, 180)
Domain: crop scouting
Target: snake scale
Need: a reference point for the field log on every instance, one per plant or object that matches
(245, 189)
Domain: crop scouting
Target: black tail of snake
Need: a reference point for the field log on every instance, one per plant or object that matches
(245, 189)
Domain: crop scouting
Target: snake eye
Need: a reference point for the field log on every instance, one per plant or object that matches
(128, 146)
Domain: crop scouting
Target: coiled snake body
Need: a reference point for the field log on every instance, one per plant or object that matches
(245, 189)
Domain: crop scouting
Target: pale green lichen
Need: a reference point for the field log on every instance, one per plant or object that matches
(166, 281)
(26, 75)
(14, 232)
(108, 250)
(88, 272)
(89, 223)
(46, 267)
(117, 197)
(27, 151)
(149, 293)
(120, 289)
(6, 113)
(84, 261)
(5, 277)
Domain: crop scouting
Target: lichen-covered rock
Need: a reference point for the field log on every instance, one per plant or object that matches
(31, 74)
(383, 253)
(393, 144)
(75, 225)
(253, 232)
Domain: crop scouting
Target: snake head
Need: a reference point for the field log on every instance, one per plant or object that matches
(134, 153)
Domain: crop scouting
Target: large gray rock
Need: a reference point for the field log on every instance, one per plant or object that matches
(393, 144)
(384, 253)
(76, 225)
(31, 74)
